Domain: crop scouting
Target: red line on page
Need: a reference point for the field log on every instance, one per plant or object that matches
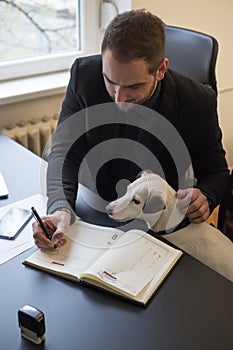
(110, 275)
(58, 263)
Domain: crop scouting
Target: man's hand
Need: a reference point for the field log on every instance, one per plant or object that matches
(193, 203)
(57, 225)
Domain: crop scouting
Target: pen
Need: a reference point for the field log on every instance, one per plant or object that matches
(40, 222)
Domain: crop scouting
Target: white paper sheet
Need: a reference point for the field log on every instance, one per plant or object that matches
(11, 248)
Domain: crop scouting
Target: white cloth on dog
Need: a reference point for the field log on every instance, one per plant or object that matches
(208, 245)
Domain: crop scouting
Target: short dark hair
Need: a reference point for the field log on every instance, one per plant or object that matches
(136, 34)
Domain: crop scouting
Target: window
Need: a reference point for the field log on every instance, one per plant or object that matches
(34, 28)
(42, 36)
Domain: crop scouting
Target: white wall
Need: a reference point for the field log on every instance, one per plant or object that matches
(213, 17)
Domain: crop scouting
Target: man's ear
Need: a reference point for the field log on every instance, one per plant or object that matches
(154, 203)
(162, 69)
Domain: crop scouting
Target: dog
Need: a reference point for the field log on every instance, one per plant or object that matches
(153, 200)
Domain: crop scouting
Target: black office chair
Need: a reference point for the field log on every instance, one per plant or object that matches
(193, 54)
(225, 216)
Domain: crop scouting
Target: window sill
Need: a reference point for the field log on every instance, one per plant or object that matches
(33, 87)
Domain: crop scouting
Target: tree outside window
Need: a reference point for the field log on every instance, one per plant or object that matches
(38, 27)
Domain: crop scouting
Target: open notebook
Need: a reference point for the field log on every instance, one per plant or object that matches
(130, 264)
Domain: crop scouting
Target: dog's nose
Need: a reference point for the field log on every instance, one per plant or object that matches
(109, 209)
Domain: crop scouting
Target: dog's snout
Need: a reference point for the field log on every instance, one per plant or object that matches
(109, 209)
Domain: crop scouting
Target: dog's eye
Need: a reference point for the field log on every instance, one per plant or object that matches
(136, 201)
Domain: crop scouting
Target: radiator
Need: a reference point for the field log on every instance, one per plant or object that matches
(34, 135)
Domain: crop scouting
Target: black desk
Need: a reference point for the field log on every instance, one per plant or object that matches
(193, 309)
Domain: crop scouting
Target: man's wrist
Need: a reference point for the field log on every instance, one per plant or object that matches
(209, 200)
(62, 204)
(65, 210)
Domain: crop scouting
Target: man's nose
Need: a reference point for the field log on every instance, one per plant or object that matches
(120, 95)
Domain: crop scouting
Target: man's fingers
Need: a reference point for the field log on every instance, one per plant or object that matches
(57, 225)
(184, 198)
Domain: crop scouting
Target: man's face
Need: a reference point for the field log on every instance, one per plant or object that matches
(128, 82)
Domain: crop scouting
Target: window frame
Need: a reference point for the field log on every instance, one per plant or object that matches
(90, 42)
(89, 24)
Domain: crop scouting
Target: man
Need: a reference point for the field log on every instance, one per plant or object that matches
(133, 70)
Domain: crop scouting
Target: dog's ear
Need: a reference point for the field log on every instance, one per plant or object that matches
(144, 172)
(154, 203)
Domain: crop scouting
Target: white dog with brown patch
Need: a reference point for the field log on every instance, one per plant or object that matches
(151, 198)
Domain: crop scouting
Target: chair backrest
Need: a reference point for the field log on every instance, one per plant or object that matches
(193, 54)
(225, 217)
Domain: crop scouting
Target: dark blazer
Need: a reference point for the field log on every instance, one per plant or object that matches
(189, 106)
